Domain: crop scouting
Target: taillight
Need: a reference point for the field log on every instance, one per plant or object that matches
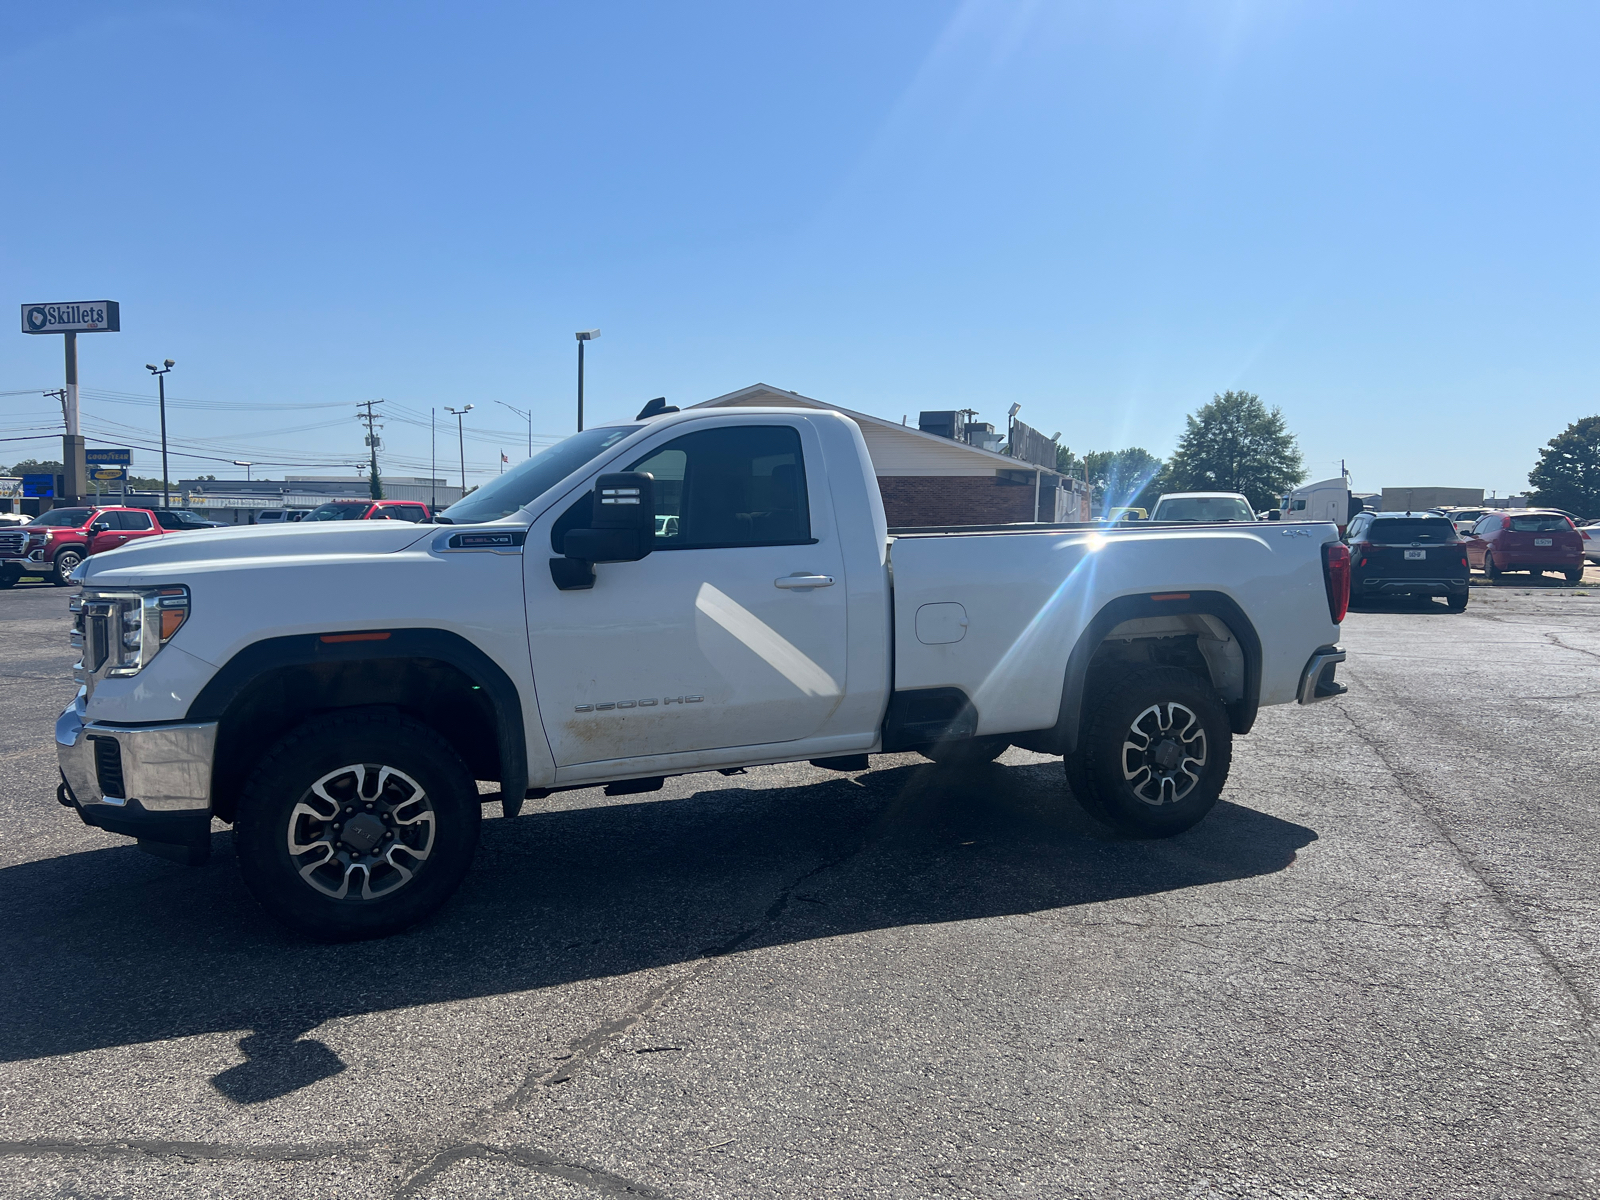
(1365, 548)
(1336, 575)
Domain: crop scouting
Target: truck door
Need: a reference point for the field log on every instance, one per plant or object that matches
(731, 633)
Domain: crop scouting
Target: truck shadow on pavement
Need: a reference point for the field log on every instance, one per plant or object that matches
(112, 947)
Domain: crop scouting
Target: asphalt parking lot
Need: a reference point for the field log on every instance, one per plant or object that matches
(1374, 971)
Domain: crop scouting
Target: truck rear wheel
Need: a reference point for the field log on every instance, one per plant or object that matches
(64, 565)
(357, 825)
(1155, 755)
(966, 752)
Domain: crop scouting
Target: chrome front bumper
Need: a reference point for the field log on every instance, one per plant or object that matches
(1317, 680)
(151, 782)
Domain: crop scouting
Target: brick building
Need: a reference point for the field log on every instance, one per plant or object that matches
(931, 480)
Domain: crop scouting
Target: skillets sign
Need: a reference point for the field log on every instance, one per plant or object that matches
(78, 316)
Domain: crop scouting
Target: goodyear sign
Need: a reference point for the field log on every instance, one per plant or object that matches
(74, 316)
(108, 465)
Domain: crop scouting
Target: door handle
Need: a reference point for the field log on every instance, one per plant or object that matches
(802, 581)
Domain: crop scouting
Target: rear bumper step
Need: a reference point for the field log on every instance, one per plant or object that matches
(1317, 680)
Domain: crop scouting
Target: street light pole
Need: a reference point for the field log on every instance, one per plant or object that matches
(583, 335)
(246, 465)
(461, 442)
(528, 415)
(161, 382)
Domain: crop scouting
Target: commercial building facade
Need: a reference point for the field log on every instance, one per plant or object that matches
(929, 479)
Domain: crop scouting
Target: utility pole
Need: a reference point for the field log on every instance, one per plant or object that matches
(375, 480)
(161, 379)
(433, 462)
(461, 443)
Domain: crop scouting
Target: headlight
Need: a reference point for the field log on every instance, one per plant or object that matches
(119, 632)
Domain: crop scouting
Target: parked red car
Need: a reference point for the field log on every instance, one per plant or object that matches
(55, 542)
(1532, 540)
(371, 510)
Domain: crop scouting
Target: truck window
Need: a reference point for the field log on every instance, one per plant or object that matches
(739, 486)
(1202, 508)
(131, 520)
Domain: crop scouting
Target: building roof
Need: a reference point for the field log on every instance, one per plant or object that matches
(896, 449)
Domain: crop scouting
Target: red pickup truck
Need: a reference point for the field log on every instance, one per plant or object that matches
(54, 543)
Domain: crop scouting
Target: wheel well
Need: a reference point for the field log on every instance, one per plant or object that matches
(1203, 632)
(1195, 642)
(436, 693)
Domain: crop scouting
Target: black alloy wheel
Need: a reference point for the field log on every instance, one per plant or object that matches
(357, 825)
(65, 564)
(1155, 754)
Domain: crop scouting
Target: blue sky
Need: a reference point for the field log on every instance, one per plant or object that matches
(1379, 217)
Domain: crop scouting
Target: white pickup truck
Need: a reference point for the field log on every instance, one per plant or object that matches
(733, 599)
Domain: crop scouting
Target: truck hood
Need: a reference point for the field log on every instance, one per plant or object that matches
(222, 546)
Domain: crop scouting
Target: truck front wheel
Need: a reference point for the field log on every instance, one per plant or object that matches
(1155, 755)
(64, 565)
(357, 825)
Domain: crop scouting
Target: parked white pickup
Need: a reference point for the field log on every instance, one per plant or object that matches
(734, 599)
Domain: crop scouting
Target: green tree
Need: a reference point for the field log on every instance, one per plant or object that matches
(1568, 472)
(375, 480)
(32, 466)
(1236, 444)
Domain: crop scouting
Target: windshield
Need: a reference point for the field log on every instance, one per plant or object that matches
(1411, 529)
(338, 512)
(525, 483)
(1544, 523)
(1203, 508)
(62, 518)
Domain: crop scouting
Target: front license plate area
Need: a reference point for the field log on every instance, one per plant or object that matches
(1543, 541)
(1412, 555)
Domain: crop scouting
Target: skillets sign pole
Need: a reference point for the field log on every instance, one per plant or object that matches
(69, 319)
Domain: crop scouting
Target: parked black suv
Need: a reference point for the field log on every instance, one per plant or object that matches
(1407, 554)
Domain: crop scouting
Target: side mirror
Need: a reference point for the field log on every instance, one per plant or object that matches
(622, 529)
(99, 526)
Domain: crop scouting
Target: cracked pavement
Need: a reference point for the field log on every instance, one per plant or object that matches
(1373, 971)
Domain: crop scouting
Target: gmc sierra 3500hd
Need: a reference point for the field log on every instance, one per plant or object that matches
(732, 598)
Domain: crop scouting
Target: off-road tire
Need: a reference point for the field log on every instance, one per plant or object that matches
(64, 565)
(274, 814)
(1456, 603)
(1098, 770)
(966, 752)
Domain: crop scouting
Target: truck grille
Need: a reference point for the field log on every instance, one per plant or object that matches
(108, 767)
(13, 544)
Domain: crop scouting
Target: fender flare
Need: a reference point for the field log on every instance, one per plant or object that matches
(305, 649)
(1241, 712)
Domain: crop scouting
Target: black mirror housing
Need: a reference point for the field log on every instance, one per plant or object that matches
(622, 529)
(626, 500)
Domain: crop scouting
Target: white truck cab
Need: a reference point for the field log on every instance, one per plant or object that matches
(710, 589)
